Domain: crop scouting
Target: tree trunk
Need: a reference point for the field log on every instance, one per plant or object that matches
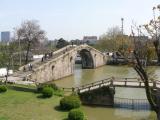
(27, 54)
(158, 55)
(158, 103)
(158, 58)
(156, 45)
(158, 116)
(150, 94)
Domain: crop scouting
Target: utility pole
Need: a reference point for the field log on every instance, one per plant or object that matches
(20, 58)
(122, 30)
(154, 20)
(132, 34)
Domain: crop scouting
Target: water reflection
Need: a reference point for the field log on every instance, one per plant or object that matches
(131, 93)
(102, 113)
(85, 76)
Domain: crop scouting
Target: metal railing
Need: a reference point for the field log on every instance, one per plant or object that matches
(135, 104)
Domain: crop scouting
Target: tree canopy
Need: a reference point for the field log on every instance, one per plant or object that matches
(30, 34)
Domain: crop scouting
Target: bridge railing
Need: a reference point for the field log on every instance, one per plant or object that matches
(124, 83)
(38, 62)
(93, 49)
(115, 82)
(94, 85)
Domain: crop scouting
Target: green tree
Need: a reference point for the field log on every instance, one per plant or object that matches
(142, 71)
(153, 29)
(30, 34)
(149, 91)
(61, 43)
(6, 53)
(113, 40)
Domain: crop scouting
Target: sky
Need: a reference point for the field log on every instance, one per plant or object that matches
(73, 19)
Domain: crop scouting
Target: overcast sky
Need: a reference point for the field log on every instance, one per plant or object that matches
(72, 19)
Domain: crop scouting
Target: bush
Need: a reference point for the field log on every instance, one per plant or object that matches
(58, 93)
(41, 86)
(54, 86)
(3, 88)
(76, 114)
(70, 102)
(47, 92)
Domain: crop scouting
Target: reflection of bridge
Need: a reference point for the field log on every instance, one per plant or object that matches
(61, 63)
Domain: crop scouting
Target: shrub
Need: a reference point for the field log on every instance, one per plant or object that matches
(41, 86)
(75, 114)
(58, 93)
(54, 86)
(3, 88)
(47, 92)
(70, 102)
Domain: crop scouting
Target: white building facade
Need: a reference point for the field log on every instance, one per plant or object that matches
(91, 40)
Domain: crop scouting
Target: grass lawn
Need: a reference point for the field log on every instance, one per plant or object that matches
(22, 105)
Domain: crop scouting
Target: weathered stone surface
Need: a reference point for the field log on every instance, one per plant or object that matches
(63, 65)
(101, 96)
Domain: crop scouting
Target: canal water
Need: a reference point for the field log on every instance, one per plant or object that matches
(84, 76)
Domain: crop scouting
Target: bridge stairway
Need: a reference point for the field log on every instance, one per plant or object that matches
(22, 75)
(54, 56)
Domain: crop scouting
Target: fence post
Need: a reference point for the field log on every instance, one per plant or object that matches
(132, 104)
(73, 89)
(89, 88)
(125, 81)
(78, 90)
(102, 81)
(112, 79)
(154, 84)
(92, 84)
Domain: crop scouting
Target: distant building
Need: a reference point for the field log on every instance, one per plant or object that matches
(5, 37)
(76, 42)
(90, 40)
(139, 38)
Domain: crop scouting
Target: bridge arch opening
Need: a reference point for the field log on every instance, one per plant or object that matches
(86, 59)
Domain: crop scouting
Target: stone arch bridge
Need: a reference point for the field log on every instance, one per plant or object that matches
(62, 63)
